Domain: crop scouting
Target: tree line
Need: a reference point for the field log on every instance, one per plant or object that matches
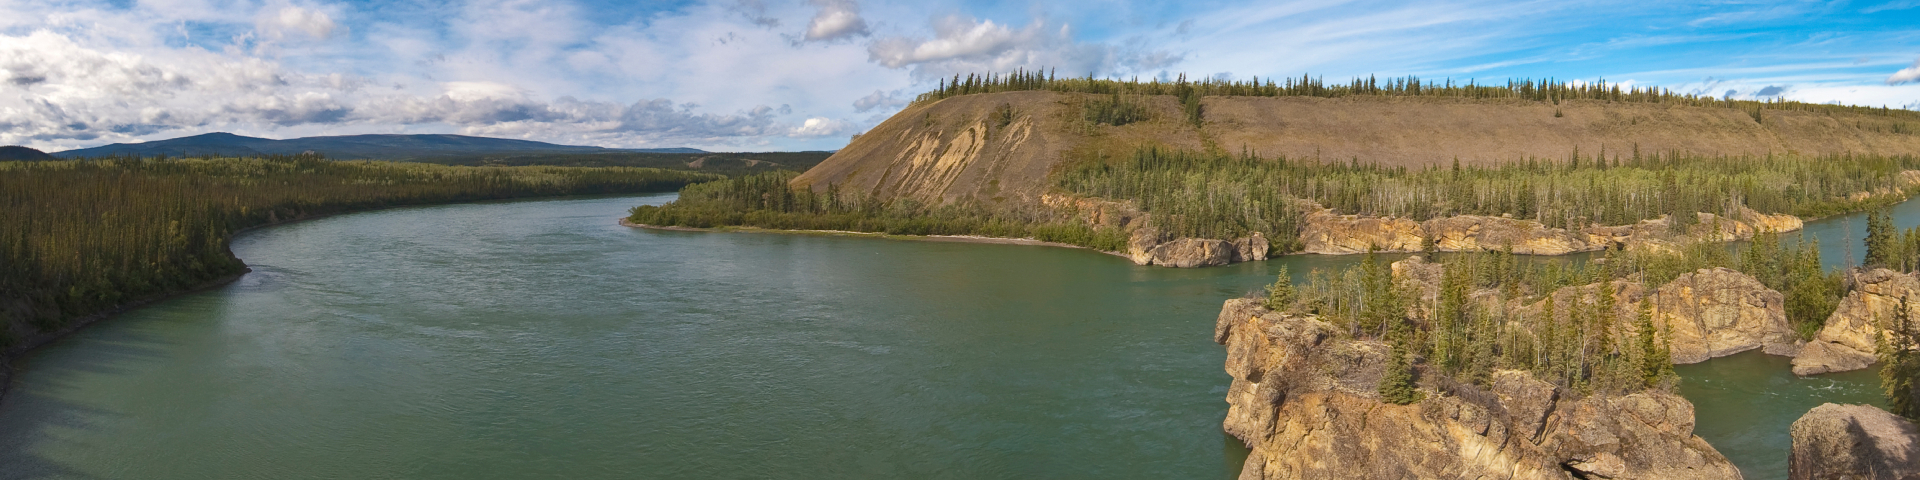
(1544, 90)
(83, 237)
(1219, 195)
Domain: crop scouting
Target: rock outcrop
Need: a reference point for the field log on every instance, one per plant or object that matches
(1476, 233)
(1329, 233)
(1848, 340)
(1716, 312)
(1145, 246)
(1334, 234)
(1856, 442)
(1304, 400)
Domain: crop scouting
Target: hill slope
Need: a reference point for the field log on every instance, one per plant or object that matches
(354, 147)
(17, 153)
(1000, 147)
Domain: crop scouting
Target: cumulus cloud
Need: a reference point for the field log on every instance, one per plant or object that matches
(820, 127)
(1906, 75)
(837, 19)
(966, 45)
(879, 99)
(65, 92)
(288, 21)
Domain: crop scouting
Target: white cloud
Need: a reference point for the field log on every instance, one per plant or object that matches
(879, 99)
(820, 127)
(291, 20)
(837, 19)
(1905, 75)
(964, 45)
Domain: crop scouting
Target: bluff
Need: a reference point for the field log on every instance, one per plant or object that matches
(1004, 151)
(1304, 400)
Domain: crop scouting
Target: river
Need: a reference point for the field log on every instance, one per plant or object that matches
(537, 339)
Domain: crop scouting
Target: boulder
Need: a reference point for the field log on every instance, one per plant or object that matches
(1140, 245)
(1854, 442)
(1717, 312)
(1303, 399)
(1192, 252)
(1250, 248)
(1848, 340)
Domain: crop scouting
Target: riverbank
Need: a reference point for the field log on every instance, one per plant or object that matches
(847, 233)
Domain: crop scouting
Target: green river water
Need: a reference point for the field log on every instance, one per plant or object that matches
(537, 339)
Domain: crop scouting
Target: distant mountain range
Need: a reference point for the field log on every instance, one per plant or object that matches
(345, 147)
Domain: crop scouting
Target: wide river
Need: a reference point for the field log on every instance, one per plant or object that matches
(538, 339)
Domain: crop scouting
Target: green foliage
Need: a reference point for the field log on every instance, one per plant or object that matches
(766, 201)
(1880, 239)
(1654, 359)
(1396, 380)
(1561, 320)
(1115, 111)
(1280, 294)
(1899, 352)
(1211, 195)
(83, 237)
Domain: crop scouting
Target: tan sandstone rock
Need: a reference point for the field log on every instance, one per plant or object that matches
(1717, 312)
(1848, 340)
(1329, 233)
(1856, 442)
(1475, 233)
(1304, 400)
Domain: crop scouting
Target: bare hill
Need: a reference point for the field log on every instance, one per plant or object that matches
(1000, 147)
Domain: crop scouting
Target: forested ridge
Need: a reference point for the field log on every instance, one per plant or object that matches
(84, 237)
(1553, 91)
(1219, 195)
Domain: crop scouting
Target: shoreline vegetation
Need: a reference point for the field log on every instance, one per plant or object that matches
(1116, 193)
(96, 237)
(1104, 203)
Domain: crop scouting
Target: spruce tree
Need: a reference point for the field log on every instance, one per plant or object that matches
(1901, 363)
(1396, 382)
(1280, 294)
(1880, 241)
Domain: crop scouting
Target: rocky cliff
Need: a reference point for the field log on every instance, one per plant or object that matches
(1334, 234)
(1716, 312)
(1856, 442)
(1303, 399)
(1848, 340)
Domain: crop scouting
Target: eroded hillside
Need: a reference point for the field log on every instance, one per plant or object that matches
(999, 148)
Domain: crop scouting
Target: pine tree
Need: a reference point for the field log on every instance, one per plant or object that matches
(1901, 363)
(1280, 294)
(1649, 356)
(1880, 241)
(1396, 382)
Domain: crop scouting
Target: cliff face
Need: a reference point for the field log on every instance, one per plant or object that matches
(1854, 442)
(1304, 400)
(1717, 312)
(1333, 234)
(1848, 340)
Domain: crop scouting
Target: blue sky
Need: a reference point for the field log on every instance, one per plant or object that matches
(758, 75)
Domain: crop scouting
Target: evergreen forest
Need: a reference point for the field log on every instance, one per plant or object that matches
(85, 237)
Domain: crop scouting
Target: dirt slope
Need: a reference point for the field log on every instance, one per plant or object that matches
(999, 148)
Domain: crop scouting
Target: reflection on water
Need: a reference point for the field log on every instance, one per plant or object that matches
(538, 339)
